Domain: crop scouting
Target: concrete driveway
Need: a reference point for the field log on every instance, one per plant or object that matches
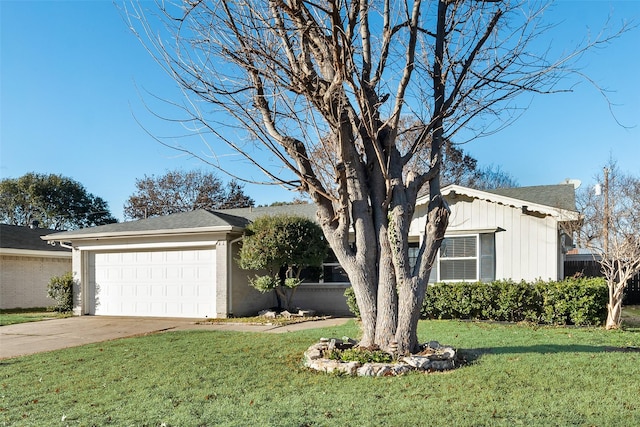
(48, 335)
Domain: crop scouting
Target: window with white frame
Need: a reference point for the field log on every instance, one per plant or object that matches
(465, 258)
(414, 249)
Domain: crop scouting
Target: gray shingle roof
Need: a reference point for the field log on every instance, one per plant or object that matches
(179, 221)
(20, 237)
(307, 210)
(561, 196)
(557, 196)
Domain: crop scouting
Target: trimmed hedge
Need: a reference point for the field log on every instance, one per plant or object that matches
(581, 302)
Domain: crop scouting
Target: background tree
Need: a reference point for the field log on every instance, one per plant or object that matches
(457, 167)
(283, 246)
(611, 228)
(55, 201)
(180, 191)
(292, 78)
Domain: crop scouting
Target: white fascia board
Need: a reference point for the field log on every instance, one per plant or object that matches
(34, 253)
(143, 246)
(146, 233)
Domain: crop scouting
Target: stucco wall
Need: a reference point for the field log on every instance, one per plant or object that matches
(24, 280)
(245, 300)
(324, 298)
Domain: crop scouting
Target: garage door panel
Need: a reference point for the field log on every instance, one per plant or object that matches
(179, 283)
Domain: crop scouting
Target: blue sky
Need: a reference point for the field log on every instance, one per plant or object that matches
(73, 81)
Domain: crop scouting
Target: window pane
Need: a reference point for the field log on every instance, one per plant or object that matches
(414, 248)
(459, 269)
(334, 274)
(487, 257)
(310, 274)
(458, 247)
(433, 277)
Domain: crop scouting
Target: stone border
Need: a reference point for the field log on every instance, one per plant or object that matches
(432, 357)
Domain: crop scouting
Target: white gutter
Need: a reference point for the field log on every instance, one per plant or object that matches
(230, 273)
(73, 236)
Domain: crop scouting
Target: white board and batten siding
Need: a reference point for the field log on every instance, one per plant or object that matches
(526, 244)
(162, 283)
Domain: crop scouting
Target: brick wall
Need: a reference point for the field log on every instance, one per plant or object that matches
(24, 280)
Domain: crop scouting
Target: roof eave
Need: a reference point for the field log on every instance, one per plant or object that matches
(561, 214)
(72, 236)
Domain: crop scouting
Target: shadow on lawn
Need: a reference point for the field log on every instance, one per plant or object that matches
(472, 355)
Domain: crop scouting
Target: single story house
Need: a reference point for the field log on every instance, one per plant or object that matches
(27, 263)
(183, 265)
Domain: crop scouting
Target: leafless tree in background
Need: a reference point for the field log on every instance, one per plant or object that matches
(611, 228)
(183, 191)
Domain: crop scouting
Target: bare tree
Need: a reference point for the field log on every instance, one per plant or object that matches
(611, 227)
(294, 77)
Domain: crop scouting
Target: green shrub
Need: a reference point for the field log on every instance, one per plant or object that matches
(362, 355)
(351, 301)
(569, 302)
(264, 283)
(574, 301)
(581, 302)
(60, 289)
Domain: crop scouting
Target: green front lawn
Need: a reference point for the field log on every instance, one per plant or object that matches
(23, 315)
(519, 375)
(631, 316)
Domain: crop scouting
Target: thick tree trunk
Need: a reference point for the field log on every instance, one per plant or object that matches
(411, 294)
(387, 297)
(367, 305)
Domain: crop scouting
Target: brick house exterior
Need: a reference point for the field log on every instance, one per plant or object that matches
(26, 265)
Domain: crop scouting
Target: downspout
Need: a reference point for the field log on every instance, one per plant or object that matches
(230, 275)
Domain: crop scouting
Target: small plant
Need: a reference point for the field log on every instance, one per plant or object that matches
(60, 289)
(362, 355)
(351, 301)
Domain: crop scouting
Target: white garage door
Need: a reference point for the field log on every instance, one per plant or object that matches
(170, 283)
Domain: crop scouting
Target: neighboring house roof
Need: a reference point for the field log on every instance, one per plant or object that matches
(183, 222)
(17, 238)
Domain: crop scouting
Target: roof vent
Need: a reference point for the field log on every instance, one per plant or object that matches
(34, 224)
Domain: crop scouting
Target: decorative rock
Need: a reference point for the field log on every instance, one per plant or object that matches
(399, 369)
(349, 341)
(419, 362)
(313, 354)
(269, 314)
(435, 357)
(306, 313)
(433, 345)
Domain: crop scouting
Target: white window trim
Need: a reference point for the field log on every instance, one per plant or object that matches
(477, 258)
